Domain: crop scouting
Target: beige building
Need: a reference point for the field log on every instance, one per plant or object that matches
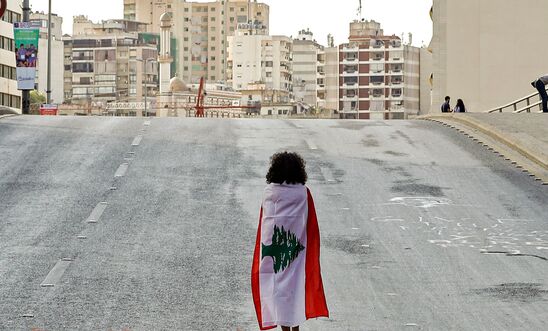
(147, 11)
(110, 61)
(378, 75)
(309, 75)
(10, 96)
(487, 53)
(201, 30)
(331, 78)
(57, 65)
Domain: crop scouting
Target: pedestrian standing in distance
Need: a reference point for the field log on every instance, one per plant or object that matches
(446, 107)
(460, 108)
(540, 85)
(286, 279)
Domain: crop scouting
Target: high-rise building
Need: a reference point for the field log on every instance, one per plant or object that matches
(147, 11)
(57, 86)
(201, 30)
(487, 53)
(309, 59)
(378, 74)
(259, 61)
(10, 96)
(111, 61)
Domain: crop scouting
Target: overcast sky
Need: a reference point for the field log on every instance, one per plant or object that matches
(287, 17)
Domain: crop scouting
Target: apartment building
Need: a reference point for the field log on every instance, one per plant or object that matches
(10, 96)
(487, 53)
(331, 78)
(201, 31)
(110, 61)
(57, 65)
(260, 65)
(378, 75)
(147, 11)
(309, 76)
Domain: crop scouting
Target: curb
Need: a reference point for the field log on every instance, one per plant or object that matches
(491, 132)
(8, 115)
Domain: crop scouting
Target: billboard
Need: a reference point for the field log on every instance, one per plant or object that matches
(26, 35)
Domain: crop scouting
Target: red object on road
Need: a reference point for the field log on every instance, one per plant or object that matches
(3, 5)
(47, 109)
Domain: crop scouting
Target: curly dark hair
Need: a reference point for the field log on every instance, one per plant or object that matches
(286, 167)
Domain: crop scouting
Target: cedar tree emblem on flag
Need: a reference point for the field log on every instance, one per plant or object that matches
(284, 249)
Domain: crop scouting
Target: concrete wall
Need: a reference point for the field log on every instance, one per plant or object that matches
(425, 82)
(487, 53)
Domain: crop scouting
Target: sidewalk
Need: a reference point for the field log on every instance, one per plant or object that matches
(526, 134)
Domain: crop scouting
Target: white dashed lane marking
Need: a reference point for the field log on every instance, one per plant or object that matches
(137, 141)
(97, 212)
(56, 273)
(122, 169)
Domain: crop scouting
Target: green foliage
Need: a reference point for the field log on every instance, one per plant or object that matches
(284, 249)
(37, 98)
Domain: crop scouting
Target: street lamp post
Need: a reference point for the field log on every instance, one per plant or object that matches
(48, 90)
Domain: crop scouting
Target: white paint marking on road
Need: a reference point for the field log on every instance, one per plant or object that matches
(403, 228)
(421, 202)
(355, 228)
(97, 212)
(391, 294)
(345, 208)
(55, 274)
(439, 241)
(311, 145)
(112, 188)
(387, 219)
(411, 324)
(121, 172)
(147, 123)
(81, 237)
(366, 246)
(137, 141)
(375, 267)
(542, 247)
(28, 315)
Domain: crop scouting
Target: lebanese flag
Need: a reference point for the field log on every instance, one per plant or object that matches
(285, 277)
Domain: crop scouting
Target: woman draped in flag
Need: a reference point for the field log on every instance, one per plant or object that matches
(285, 277)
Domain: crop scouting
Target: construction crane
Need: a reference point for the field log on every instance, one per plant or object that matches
(200, 108)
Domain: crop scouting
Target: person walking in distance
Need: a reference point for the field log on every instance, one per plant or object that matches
(286, 279)
(459, 108)
(446, 107)
(540, 85)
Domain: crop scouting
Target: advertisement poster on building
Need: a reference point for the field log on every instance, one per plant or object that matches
(26, 35)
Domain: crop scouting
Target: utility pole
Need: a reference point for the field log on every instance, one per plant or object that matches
(25, 94)
(48, 89)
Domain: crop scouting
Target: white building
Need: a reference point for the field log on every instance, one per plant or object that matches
(57, 92)
(10, 96)
(254, 57)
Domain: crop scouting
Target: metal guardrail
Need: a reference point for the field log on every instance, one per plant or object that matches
(515, 105)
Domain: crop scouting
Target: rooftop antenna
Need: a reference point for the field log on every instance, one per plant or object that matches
(360, 10)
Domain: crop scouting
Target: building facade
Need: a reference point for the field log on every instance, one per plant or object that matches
(10, 96)
(110, 61)
(57, 65)
(378, 75)
(485, 53)
(201, 31)
(260, 65)
(309, 75)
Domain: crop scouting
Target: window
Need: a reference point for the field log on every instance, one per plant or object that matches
(377, 80)
(186, 10)
(212, 48)
(212, 19)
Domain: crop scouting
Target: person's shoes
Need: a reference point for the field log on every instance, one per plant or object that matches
(533, 83)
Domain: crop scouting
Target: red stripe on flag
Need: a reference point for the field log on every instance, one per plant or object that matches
(315, 304)
(255, 287)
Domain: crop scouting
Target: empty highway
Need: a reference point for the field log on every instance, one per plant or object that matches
(150, 224)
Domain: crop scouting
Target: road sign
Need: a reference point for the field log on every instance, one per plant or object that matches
(48, 109)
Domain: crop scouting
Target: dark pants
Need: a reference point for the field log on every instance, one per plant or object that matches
(542, 90)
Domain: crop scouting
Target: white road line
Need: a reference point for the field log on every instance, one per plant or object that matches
(55, 274)
(121, 172)
(147, 123)
(311, 145)
(137, 141)
(97, 212)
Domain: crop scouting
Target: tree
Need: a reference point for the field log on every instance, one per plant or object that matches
(37, 97)
(285, 248)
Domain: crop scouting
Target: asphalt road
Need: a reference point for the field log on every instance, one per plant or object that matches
(135, 224)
